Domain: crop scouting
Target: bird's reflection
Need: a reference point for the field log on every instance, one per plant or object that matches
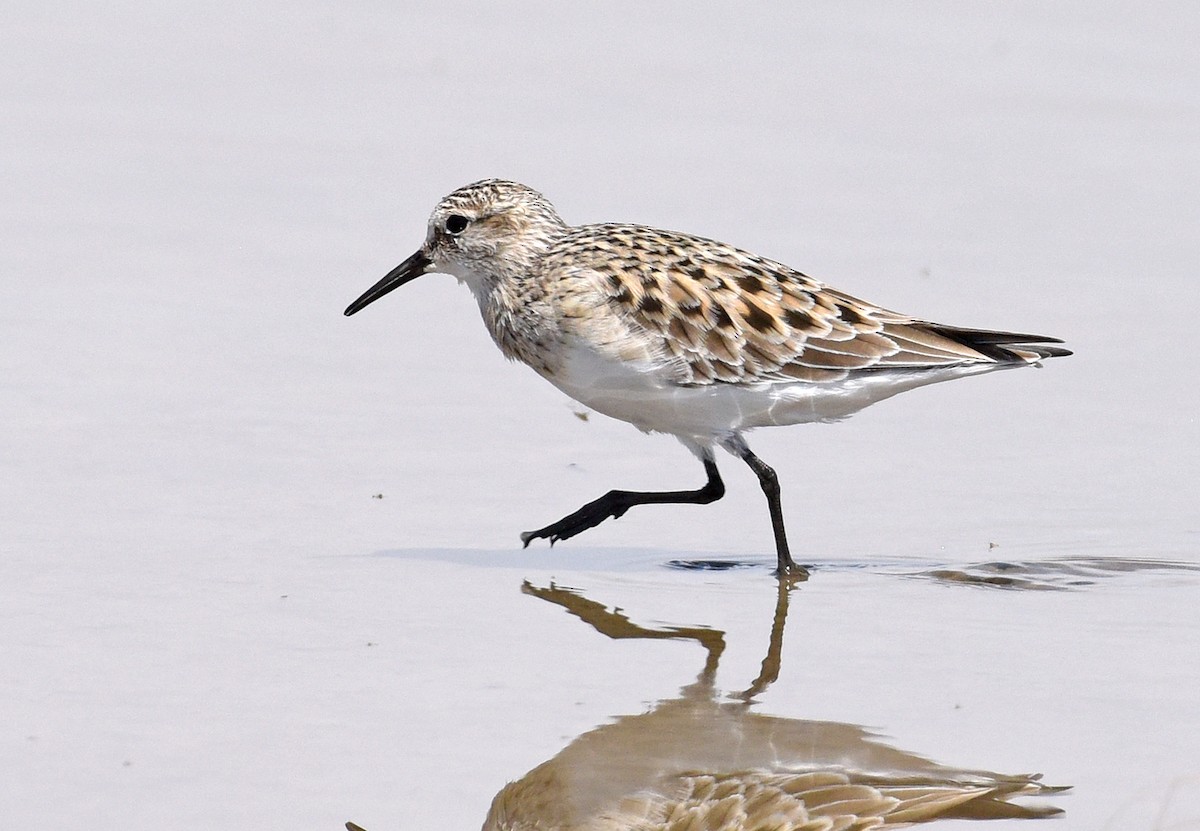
(703, 762)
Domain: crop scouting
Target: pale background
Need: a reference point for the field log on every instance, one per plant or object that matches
(190, 554)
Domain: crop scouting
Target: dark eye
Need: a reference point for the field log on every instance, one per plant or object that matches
(455, 224)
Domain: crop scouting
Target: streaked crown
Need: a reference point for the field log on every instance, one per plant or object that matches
(490, 230)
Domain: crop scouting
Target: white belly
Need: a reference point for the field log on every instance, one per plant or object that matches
(643, 396)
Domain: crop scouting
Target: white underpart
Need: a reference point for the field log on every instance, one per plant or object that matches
(708, 415)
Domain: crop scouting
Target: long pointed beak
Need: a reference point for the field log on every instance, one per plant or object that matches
(410, 269)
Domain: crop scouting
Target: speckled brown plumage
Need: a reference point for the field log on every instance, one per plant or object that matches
(722, 315)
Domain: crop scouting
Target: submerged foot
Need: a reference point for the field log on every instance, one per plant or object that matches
(789, 569)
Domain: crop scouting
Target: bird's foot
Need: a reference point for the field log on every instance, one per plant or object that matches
(788, 569)
(613, 505)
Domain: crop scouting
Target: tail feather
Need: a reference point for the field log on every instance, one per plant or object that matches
(1003, 346)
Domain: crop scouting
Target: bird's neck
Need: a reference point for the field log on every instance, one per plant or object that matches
(520, 317)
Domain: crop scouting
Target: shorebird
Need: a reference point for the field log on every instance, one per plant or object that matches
(683, 335)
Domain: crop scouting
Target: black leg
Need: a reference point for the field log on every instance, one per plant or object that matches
(770, 485)
(615, 503)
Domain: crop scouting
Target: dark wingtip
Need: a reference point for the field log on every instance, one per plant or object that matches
(1003, 346)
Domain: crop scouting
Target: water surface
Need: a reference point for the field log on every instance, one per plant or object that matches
(260, 562)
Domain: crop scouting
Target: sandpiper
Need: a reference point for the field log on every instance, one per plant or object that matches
(678, 334)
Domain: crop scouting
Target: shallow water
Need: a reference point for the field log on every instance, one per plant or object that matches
(260, 563)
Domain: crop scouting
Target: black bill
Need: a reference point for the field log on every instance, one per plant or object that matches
(413, 267)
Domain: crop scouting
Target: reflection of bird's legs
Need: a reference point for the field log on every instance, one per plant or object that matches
(617, 626)
(774, 658)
